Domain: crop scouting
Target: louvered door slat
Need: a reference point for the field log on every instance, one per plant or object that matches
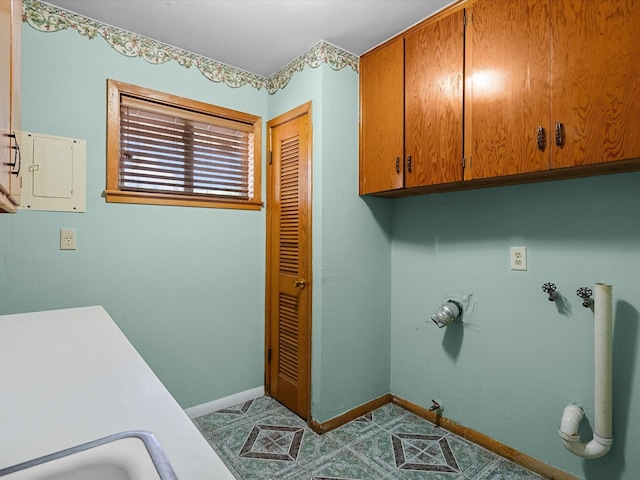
(289, 208)
(288, 345)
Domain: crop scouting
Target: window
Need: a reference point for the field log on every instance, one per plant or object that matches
(168, 150)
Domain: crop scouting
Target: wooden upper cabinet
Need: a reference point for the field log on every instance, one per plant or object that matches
(434, 67)
(551, 90)
(382, 118)
(595, 81)
(507, 88)
(10, 27)
(5, 95)
(564, 68)
(411, 104)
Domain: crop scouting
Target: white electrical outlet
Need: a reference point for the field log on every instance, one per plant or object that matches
(518, 256)
(67, 239)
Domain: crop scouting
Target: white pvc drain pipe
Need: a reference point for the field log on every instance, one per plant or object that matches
(572, 415)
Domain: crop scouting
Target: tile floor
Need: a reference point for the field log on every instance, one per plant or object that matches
(261, 440)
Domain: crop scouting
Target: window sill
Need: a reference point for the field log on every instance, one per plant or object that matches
(117, 196)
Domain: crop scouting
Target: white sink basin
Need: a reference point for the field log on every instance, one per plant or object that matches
(134, 455)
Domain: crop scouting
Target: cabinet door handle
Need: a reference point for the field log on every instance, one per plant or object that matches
(541, 139)
(409, 163)
(397, 164)
(17, 156)
(559, 134)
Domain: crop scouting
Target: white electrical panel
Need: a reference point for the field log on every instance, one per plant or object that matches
(54, 172)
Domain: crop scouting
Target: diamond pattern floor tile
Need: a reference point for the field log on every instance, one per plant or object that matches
(262, 440)
(273, 442)
(429, 453)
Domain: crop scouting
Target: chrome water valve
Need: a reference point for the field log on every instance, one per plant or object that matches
(585, 294)
(550, 288)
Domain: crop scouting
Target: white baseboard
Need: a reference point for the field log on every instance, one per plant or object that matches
(215, 405)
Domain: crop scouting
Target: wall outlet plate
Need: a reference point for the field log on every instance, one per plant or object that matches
(67, 239)
(518, 258)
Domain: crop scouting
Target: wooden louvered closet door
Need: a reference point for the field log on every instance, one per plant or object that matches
(288, 293)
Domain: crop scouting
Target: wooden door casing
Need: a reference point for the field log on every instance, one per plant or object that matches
(288, 295)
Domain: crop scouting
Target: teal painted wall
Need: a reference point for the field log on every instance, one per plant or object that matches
(186, 285)
(356, 262)
(351, 250)
(510, 371)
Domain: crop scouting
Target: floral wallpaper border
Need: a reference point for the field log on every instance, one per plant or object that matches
(47, 18)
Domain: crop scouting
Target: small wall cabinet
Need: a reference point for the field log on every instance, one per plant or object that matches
(556, 86)
(10, 27)
(551, 90)
(411, 108)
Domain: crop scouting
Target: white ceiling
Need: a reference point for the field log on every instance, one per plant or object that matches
(259, 36)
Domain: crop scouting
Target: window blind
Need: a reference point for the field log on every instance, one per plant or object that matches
(170, 150)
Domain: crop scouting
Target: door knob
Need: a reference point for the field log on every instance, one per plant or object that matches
(299, 283)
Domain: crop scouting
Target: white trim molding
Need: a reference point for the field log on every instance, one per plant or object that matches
(215, 405)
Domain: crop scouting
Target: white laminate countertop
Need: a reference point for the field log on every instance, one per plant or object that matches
(70, 376)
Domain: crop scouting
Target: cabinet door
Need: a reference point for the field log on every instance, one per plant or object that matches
(434, 62)
(16, 106)
(5, 95)
(596, 85)
(507, 88)
(382, 118)
(10, 27)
